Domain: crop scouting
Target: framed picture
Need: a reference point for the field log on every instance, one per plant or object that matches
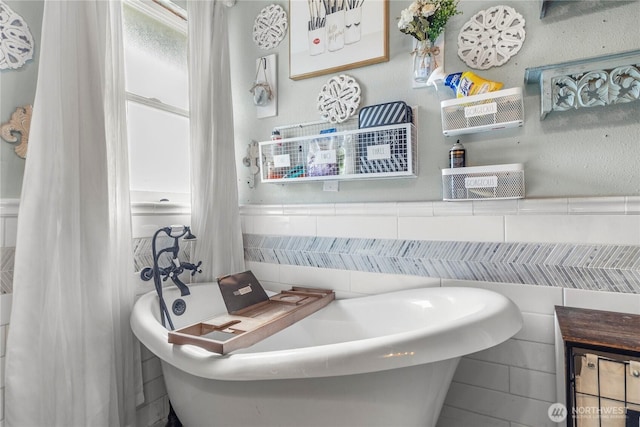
(328, 36)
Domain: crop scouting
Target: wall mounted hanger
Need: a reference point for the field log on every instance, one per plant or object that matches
(261, 90)
(265, 87)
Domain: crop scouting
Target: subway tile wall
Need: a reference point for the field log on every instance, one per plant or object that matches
(510, 385)
(5, 310)
(591, 244)
(8, 227)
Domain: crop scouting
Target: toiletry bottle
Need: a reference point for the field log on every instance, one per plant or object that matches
(271, 174)
(277, 150)
(457, 156)
(340, 157)
(345, 156)
(457, 159)
(298, 169)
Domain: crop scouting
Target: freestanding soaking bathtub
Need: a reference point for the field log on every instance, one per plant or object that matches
(381, 360)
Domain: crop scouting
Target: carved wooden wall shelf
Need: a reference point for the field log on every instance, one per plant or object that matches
(600, 81)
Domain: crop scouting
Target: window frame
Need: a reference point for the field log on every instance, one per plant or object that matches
(171, 15)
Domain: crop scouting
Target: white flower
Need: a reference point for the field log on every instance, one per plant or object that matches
(425, 19)
(428, 9)
(405, 18)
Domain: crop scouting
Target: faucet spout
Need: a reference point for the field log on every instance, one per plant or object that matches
(184, 290)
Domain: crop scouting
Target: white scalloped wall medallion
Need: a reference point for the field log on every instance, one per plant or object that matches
(339, 98)
(270, 27)
(491, 37)
(16, 41)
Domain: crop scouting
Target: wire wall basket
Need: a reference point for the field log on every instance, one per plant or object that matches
(483, 182)
(321, 151)
(480, 113)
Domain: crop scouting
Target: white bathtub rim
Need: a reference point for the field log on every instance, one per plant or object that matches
(478, 331)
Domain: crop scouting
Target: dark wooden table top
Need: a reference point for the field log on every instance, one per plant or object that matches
(619, 331)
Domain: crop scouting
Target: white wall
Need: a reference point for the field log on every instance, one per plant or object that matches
(576, 153)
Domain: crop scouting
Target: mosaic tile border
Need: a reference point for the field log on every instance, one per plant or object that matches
(7, 256)
(612, 268)
(141, 258)
(596, 267)
(142, 254)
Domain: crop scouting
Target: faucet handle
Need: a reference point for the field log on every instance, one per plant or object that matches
(196, 269)
(193, 267)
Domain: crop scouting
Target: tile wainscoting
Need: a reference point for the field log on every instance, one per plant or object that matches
(539, 252)
(611, 268)
(590, 244)
(8, 228)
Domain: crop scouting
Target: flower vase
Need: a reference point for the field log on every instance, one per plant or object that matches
(423, 61)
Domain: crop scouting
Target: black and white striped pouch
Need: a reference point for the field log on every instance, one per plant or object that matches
(389, 113)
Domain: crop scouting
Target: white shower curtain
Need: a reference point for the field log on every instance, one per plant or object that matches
(214, 194)
(70, 350)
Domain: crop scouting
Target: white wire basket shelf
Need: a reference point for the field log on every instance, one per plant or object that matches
(368, 153)
(481, 113)
(483, 182)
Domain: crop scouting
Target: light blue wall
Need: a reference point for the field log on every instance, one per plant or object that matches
(18, 88)
(578, 153)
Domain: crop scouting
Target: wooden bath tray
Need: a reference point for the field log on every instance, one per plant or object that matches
(227, 332)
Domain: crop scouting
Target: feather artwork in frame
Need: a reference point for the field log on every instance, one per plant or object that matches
(329, 36)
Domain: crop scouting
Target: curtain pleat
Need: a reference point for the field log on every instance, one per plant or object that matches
(214, 194)
(70, 358)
